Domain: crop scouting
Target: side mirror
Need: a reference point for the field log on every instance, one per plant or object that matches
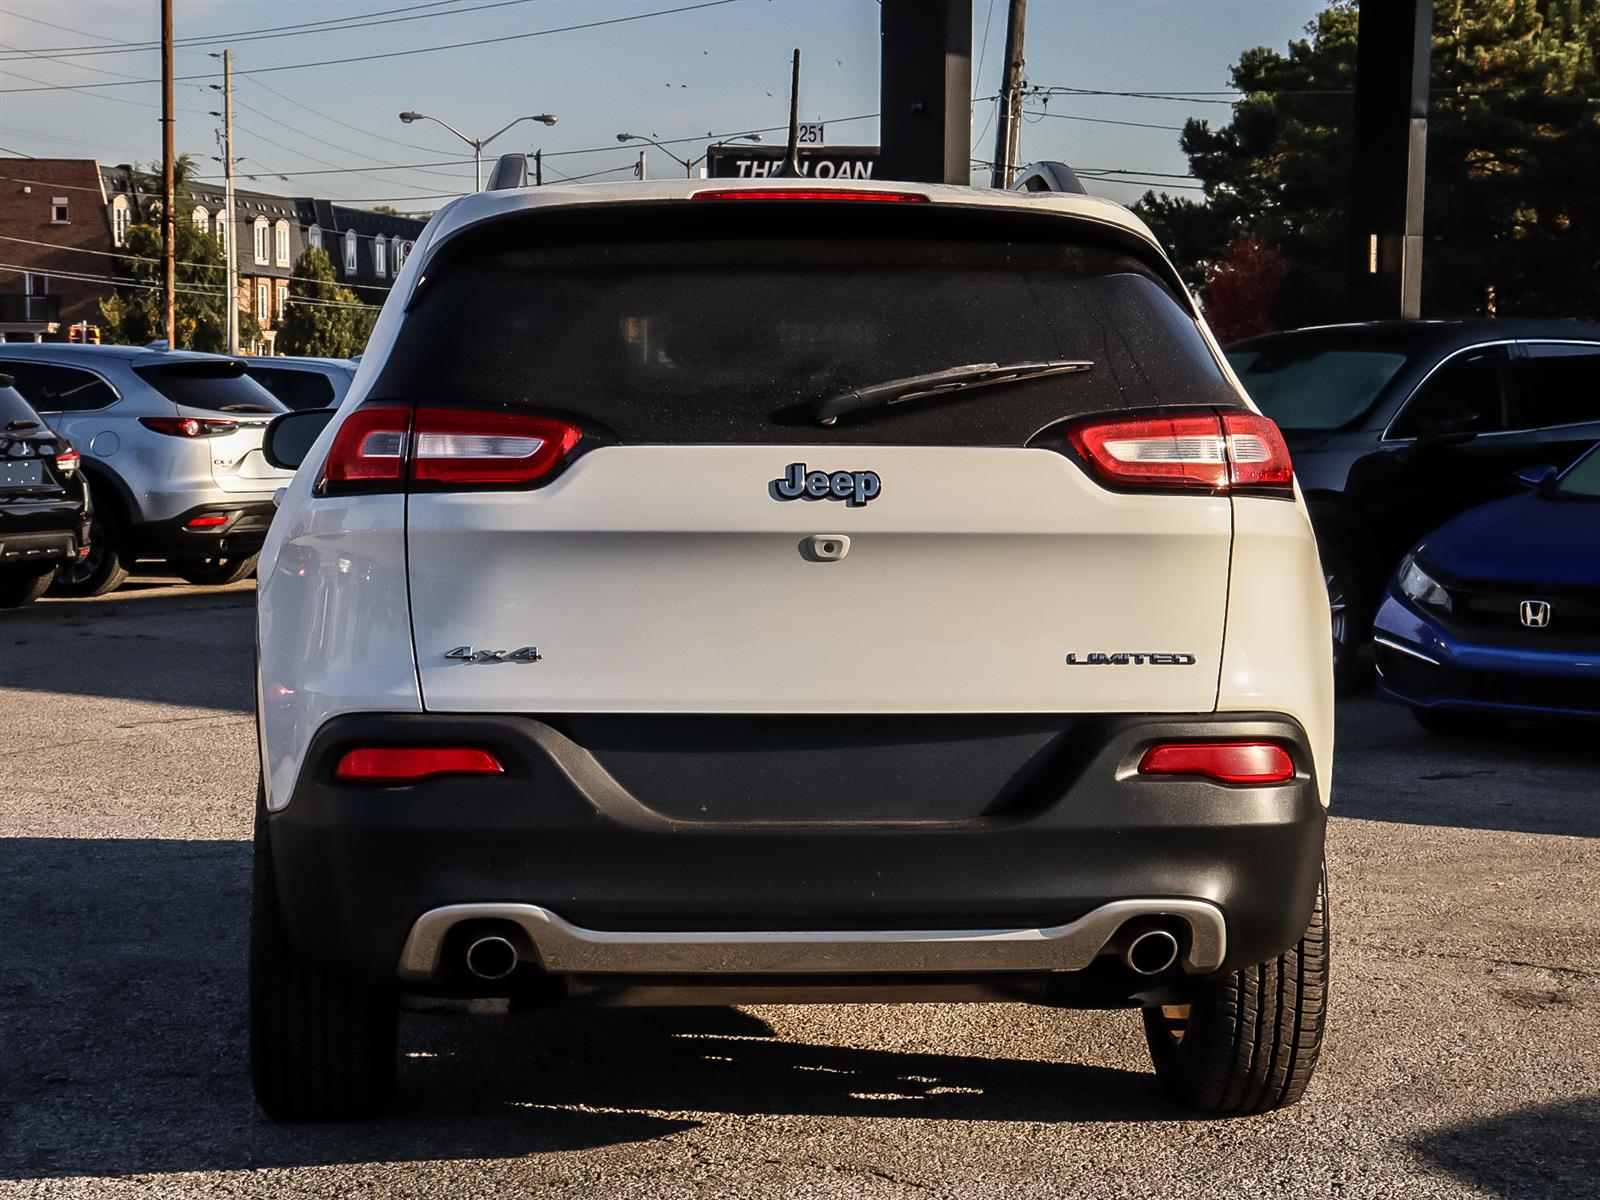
(1534, 478)
(288, 439)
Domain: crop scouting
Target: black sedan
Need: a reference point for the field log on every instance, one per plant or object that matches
(44, 505)
(1397, 426)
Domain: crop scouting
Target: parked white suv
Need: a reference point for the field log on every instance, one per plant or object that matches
(782, 591)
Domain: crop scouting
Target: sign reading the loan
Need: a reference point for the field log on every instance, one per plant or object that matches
(816, 162)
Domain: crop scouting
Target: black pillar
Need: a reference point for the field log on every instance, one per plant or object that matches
(926, 91)
(1388, 166)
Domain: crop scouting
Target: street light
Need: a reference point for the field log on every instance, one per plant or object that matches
(477, 144)
(689, 164)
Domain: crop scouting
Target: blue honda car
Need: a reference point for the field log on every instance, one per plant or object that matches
(1497, 612)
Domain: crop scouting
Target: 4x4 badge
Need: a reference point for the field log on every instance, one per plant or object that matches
(468, 654)
(855, 488)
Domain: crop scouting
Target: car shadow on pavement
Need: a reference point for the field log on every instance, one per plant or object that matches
(1542, 1150)
(137, 645)
(123, 1030)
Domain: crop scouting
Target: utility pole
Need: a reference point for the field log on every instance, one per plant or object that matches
(168, 228)
(639, 170)
(1008, 129)
(538, 168)
(232, 299)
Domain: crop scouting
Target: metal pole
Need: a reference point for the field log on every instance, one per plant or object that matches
(169, 269)
(477, 166)
(230, 230)
(641, 165)
(925, 91)
(538, 168)
(1008, 127)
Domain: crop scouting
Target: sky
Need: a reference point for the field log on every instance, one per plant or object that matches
(708, 68)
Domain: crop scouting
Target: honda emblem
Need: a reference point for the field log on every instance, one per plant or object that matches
(1535, 614)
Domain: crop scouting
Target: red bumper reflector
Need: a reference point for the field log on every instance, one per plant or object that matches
(206, 522)
(1225, 762)
(409, 764)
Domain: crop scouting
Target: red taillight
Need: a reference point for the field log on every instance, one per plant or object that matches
(461, 446)
(369, 451)
(1205, 451)
(801, 193)
(389, 446)
(67, 461)
(188, 427)
(210, 521)
(409, 764)
(1225, 762)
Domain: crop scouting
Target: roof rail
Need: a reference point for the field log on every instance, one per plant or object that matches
(510, 171)
(1049, 176)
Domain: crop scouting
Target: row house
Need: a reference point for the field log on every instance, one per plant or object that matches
(55, 276)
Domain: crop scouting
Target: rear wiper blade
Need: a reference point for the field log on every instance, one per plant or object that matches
(829, 409)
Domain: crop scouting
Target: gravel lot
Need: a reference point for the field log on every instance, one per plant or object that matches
(1464, 1056)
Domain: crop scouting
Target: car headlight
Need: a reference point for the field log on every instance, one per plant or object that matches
(1422, 587)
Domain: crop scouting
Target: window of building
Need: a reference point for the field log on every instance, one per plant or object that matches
(350, 252)
(119, 221)
(262, 249)
(58, 210)
(314, 237)
(380, 257)
(283, 300)
(280, 238)
(201, 218)
(263, 304)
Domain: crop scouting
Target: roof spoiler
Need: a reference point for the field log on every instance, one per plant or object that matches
(510, 171)
(1049, 176)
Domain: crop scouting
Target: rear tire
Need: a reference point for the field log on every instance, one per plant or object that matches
(100, 571)
(20, 588)
(1457, 723)
(1346, 615)
(1247, 1042)
(322, 1047)
(215, 572)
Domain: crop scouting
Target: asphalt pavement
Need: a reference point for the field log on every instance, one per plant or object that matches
(1463, 1057)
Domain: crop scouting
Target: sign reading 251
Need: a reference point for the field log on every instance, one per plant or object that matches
(811, 135)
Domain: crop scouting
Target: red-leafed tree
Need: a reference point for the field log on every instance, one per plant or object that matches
(1241, 287)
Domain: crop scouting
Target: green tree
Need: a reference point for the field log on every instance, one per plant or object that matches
(134, 313)
(1513, 163)
(324, 317)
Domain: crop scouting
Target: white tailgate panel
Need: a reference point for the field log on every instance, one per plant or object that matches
(667, 579)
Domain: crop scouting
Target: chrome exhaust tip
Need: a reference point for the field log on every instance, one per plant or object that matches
(491, 957)
(1149, 951)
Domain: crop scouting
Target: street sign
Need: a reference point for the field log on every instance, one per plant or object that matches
(811, 134)
(735, 161)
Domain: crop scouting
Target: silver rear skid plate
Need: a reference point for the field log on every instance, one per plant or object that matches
(563, 948)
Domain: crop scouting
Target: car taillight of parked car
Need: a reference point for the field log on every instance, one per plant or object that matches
(188, 427)
(395, 447)
(1206, 451)
(67, 461)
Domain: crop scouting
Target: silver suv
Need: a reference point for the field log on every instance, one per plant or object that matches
(171, 445)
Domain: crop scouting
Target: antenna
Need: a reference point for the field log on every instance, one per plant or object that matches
(790, 168)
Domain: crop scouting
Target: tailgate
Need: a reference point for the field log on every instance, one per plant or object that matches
(674, 579)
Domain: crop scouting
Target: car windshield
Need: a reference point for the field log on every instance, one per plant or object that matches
(211, 386)
(725, 324)
(1314, 388)
(14, 408)
(1582, 480)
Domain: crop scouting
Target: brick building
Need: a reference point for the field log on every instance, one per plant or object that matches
(52, 210)
(52, 285)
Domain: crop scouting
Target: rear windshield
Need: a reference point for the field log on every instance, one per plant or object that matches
(295, 388)
(14, 408)
(1314, 388)
(723, 322)
(220, 386)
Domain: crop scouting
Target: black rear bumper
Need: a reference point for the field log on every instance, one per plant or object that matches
(38, 533)
(1072, 827)
(242, 530)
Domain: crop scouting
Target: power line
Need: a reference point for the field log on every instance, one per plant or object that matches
(365, 58)
(1038, 112)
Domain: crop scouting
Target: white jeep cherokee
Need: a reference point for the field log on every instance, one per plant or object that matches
(781, 591)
